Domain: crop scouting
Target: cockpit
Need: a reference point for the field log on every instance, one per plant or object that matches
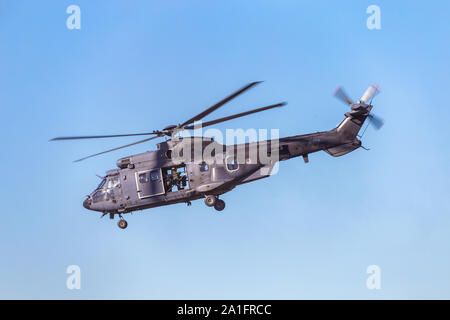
(106, 189)
(105, 194)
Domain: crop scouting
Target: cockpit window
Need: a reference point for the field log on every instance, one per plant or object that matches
(105, 189)
(116, 182)
(112, 182)
(98, 196)
(101, 184)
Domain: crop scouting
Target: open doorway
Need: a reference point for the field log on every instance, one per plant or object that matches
(175, 178)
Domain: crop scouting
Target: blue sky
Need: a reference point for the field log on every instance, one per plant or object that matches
(308, 232)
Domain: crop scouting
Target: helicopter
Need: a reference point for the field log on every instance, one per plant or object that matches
(184, 169)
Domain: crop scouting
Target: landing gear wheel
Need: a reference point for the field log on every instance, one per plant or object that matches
(220, 205)
(122, 224)
(210, 200)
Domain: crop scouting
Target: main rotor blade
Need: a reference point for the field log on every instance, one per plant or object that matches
(376, 121)
(242, 114)
(341, 95)
(98, 137)
(218, 104)
(370, 93)
(125, 146)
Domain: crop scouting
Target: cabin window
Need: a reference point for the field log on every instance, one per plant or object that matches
(232, 164)
(204, 167)
(154, 176)
(143, 177)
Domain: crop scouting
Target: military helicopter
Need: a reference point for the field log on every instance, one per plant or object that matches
(183, 169)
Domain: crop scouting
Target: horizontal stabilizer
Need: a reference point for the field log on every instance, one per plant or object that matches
(343, 149)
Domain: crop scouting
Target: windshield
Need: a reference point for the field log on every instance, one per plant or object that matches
(106, 189)
(101, 184)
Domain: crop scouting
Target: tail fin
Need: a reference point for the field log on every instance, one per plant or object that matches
(348, 131)
(350, 127)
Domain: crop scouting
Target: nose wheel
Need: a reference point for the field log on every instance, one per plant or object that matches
(122, 224)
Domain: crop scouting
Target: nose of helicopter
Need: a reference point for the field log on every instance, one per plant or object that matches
(87, 203)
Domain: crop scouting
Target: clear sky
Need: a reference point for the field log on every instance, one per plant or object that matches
(308, 232)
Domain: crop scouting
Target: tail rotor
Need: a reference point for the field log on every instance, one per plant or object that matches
(362, 106)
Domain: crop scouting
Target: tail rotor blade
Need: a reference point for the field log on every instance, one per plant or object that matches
(376, 121)
(370, 93)
(341, 95)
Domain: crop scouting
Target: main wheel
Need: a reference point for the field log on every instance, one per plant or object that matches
(210, 200)
(220, 205)
(122, 224)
